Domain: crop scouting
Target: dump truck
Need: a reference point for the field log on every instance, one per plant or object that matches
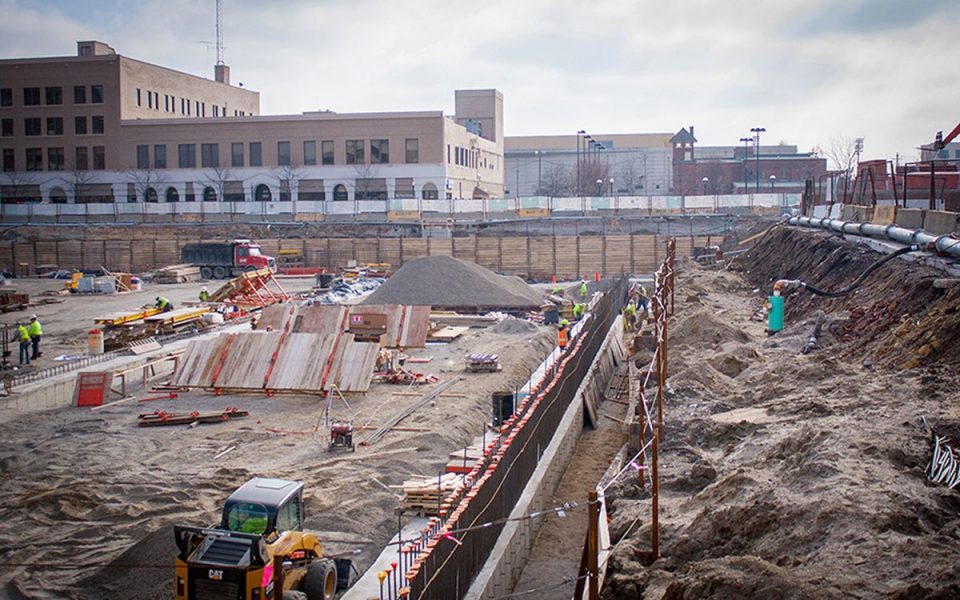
(220, 260)
(258, 550)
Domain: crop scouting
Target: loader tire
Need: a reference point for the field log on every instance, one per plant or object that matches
(321, 580)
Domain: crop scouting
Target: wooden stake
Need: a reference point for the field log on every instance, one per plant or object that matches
(593, 547)
(655, 497)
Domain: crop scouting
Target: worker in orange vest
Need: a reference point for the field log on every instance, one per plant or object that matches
(562, 334)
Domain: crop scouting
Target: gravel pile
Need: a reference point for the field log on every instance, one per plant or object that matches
(444, 281)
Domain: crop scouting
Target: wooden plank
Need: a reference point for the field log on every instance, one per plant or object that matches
(354, 369)
(248, 360)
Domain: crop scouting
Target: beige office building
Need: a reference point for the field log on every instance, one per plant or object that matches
(100, 127)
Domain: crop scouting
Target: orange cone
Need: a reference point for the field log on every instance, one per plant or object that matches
(596, 275)
(553, 279)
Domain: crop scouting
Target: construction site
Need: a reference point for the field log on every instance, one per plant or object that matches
(761, 407)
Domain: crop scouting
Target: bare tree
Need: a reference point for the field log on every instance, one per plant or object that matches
(842, 153)
(77, 181)
(364, 185)
(556, 181)
(17, 182)
(145, 183)
(289, 176)
(590, 173)
(218, 179)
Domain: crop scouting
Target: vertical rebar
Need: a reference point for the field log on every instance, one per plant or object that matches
(593, 546)
(655, 497)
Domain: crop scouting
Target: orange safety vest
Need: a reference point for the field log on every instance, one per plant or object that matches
(562, 337)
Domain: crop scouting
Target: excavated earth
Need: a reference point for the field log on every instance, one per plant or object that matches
(786, 475)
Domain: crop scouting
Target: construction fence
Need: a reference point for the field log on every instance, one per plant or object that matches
(444, 561)
(534, 257)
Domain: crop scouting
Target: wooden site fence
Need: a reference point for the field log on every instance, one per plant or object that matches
(444, 562)
(536, 257)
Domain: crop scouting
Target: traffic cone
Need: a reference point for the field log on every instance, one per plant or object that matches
(553, 279)
(596, 275)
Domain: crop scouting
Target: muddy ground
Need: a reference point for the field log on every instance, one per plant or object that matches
(90, 499)
(786, 475)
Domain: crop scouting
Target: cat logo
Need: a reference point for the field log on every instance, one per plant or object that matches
(216, 574)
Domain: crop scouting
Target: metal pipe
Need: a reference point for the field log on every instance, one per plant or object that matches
(942, 244)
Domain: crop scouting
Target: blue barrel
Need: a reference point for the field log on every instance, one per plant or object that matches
(775, 318)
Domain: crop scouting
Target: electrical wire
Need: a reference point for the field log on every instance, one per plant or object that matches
(856, 282)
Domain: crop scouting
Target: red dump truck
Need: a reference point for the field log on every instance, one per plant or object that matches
(219, 260)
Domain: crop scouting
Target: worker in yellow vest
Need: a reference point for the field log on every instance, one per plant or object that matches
(24, 336)
(204, 295)
(583, 289)
(562, 334)
(36, 332)
(163, 304)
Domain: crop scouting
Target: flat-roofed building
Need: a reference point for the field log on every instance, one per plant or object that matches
(100, 127)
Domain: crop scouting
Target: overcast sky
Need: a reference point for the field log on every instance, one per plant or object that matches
(807, 70)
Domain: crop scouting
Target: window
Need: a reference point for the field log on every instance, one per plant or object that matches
(448, 153)
(198, 108)
(31, 96)
(283, 154)
(54, 125)
(355, 152)
(54, 159)
(54, 95)
(288, 517)
(326, 149)
(6, 97)
(310, 153)
(236, 154)
(340, 192)
(80, 153)
(166, 103)
(413, 151)
(96, 94)
(183, 107)
(80, 125)
(34, 159)
(7, 127)
(139, 99)
(99, 158)
(156, 100)
(143, 156)
(247, 518)
(379, 152)
(32, 126)
(96, 124)
(9, 160)
(209, 194)
(203, 109)
(160, 156)
(209, 155)
(256, 154)
(429, 192)
(187, 156)
(149, 99)
(216, 110)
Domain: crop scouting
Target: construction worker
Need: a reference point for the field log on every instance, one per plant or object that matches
(36, 332)
(583, 289)
(562, 333)
(163, 304)
(578, 310)
(24, 336)
(204, 294)
(629, 316)
(643, 302)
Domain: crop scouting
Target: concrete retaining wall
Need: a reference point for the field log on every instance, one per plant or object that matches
(940, 222)
(910, 218)
(509, 556)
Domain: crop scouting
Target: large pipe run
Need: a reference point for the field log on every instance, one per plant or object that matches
(943, 244)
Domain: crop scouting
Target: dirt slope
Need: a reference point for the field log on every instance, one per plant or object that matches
(800, 476)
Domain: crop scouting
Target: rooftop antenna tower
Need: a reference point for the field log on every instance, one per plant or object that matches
(219, 32)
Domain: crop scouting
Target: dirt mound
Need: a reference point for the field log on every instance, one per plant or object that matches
(444, 281)
(137, 571)
(514, 326)
(740, 577)
(703, 327)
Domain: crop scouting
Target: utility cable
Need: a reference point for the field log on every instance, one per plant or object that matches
(787, 285)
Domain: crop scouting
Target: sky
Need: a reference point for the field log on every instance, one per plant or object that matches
(811, 72)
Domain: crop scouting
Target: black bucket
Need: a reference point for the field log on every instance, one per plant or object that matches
(502, 407)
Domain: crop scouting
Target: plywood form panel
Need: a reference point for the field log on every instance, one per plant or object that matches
(93, 254)
(301, 361)
(415, 328)
(201, 361)
(24, 253)
(465, 248)
(390, 252)
(248, 360)
(320, 318)
(46, 253)
(166, 252)
(591, 255)
(142, 255)
(275, 316)
(6, 255)
(541, 257)
(565, 248)
(341, 252)
(488, 252)
(117, 255)
(438, 247)
(70, 251)
(354, 365)
(406, 328)
(514, 255)
(414, 248)
(617, 254)
(315, 254)
(367, 250)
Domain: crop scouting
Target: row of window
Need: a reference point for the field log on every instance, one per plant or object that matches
(33, 126)
(56, 159)
(53, 95)
(188, 107)
(253, 157)
(465, 157)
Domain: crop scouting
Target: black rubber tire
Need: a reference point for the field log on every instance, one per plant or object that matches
(320, 582)
(220, 272)
(249, 268)
(206, 273)
(294, 595)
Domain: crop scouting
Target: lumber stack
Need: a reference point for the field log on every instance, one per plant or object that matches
(427, 496)
(183, 273)
(463, 461)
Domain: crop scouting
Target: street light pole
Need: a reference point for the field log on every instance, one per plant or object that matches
(773, 180)
(579, 133)
(599, 186)
(746, 184)
(756, 134)
(705, 180)
(539, 170)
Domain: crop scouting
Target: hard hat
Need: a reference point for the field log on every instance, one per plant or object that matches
(203, 289)
(33, 317)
